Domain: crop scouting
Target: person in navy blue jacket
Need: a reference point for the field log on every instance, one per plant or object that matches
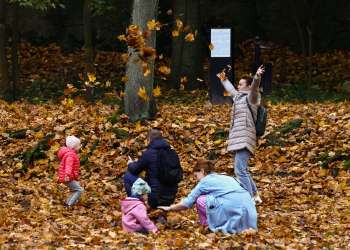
(161, 195)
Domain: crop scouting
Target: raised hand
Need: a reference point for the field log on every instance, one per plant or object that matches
(130, 160)
(260, 70)
(222, 76)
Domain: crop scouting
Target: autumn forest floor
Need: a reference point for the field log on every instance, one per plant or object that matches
(300, 170)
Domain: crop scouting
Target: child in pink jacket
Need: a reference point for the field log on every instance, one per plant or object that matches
(134, 210)
(68, 172)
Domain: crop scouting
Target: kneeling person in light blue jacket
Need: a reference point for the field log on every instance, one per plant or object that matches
(221, 202)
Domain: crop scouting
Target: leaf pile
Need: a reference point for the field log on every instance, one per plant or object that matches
(50, 66)
(304, 204)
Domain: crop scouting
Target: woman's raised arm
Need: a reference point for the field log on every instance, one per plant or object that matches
(227, 84)
(253, 95)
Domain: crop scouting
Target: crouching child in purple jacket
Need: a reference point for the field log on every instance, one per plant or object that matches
(134, 210)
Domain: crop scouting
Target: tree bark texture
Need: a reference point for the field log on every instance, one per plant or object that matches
(136, 107)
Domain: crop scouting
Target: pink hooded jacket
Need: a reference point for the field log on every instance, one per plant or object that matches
(134, 216)
(70, 164)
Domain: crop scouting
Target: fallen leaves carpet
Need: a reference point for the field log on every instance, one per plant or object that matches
(304, 205)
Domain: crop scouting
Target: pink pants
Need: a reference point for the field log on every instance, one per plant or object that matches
(201, 207)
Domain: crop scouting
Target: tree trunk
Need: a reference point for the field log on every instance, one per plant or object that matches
(14, 57)
(4, 78)
(135, 107)
(88, 47)
(180, 12)
(310, 53)
(186, 55)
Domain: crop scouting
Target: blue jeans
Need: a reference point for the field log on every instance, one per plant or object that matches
(241, 171)
(77, 191)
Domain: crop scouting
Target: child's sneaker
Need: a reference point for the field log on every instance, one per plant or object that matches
(257, 199)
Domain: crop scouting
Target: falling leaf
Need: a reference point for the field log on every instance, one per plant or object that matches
(122, 37)
(164, 70)
(189, 37)
(108, 84)
(146, 72)
(179, 24)
(91, 77)
(124, 79)
(148, 52)
(156, 91)
(122, 93)
(142, 93)
(169, 12)
(153, 25)
(211, 46)
(183, 79)
(175, 33)
(125, 57)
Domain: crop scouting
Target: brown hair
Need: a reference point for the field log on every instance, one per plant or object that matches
(248, 80)
(207, 166)
(154, 133)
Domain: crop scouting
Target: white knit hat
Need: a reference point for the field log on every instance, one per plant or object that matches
(72, 141)
(140, 187)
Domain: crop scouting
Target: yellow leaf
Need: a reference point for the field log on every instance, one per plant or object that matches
(189, 37)
(179, 24)
(211, 46)
(153, 25)
(184, 79)
(146, 72)
(197, 142)
(70, 102)
(121, 38)
(138, 126)
(91, 77)
(218, 142)
(143, 94)
(122, 93)
(165, 70)
(156, 91)
(226, 93)
(124, 79)
(175, 33)
(39, 135)
(108, 84)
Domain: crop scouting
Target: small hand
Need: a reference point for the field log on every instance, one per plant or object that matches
(260, 70)
(222, 76)
(130, 160)
(165, 208)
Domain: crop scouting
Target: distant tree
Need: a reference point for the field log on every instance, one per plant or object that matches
(13, 5)
(186, 59)
(140, 72)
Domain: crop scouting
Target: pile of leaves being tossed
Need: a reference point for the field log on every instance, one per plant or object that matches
(300, 170)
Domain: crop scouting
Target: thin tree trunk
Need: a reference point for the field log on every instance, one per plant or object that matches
(310, 53)
(136, 107)
(14, 57)
(88, 47)
(192, 60)
(186, 55)
(180, 12)
(4, 78)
